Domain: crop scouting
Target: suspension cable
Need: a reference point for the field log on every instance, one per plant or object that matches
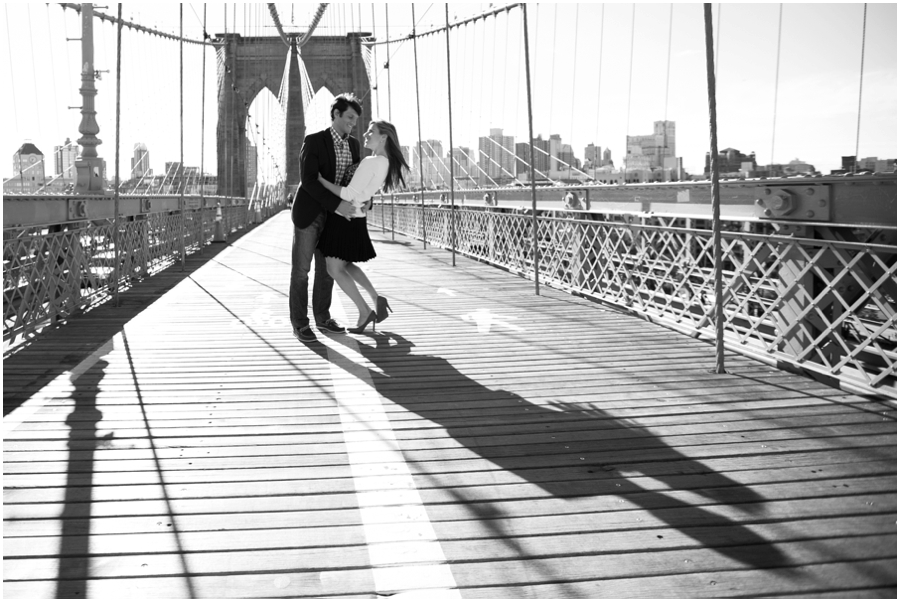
(666, 110)
(34, 70)
(599, 82)
(777, 68)
(135, 26)
(862, 65)
(718, 30)
(53, 62)
(574, 80)
(484, 15)
(552, 77)
(630, 77)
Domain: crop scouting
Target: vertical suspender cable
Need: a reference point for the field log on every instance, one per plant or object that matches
(600, 81)
(718, 30)
(202, 133)
(419, 120)
(861, 68)
(378, 96)
(630, 74)
(574, 88)
(714, 176)
(450, 113)
(115, 236)
(181, 124)
(387, 34)
(775, 109)
(534, 225)
(666, 109)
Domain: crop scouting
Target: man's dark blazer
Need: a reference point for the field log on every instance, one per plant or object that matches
(317, 156)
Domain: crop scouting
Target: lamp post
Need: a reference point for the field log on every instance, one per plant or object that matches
(88, 167)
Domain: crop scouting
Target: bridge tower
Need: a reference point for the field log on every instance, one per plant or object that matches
(246, 65)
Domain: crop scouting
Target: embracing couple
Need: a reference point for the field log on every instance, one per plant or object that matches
(329, 217)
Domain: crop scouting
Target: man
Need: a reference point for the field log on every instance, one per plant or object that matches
(329, 152)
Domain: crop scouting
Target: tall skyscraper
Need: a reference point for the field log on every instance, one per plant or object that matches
(497, 157)
(593, 155)
(64, 159)
(541, 160)
(555, 147)
(432, 148)
(140, 162)
(462, 163)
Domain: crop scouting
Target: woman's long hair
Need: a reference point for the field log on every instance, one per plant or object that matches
(396, 162)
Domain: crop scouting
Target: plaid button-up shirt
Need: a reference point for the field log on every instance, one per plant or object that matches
(343, 156)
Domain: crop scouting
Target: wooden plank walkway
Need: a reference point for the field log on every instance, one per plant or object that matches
(485, 443)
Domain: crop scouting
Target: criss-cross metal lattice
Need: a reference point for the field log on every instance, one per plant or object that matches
(819, 298)
(53, 271)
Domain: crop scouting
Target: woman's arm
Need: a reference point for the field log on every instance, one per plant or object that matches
(365, 182)
(332, 188)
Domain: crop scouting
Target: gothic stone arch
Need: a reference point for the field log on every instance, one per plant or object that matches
(247, 65)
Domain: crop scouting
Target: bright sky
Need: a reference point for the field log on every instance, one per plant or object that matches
(577, 50)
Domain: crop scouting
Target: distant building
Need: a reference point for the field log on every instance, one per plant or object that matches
(733, 161)
(798, 167)
(463, 169)
(567, 157)
(541, 157)
(497, 157)
(64, 159)
(876, 164)
(593, 155)
(28, 171)
(651, 151)
(432, 148)
(140, 162)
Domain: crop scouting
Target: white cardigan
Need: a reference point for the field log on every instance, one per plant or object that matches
(367, 180)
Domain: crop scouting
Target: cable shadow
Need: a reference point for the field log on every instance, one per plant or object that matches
(430, 387)
(74, 544)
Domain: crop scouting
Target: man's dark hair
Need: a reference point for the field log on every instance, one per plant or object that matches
(344, 101)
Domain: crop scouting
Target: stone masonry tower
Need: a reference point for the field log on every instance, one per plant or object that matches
(247, 65)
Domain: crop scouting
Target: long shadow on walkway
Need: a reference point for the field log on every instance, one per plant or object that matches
(431, 387)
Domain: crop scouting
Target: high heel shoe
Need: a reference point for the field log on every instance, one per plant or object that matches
(383, 307)
(372, 317)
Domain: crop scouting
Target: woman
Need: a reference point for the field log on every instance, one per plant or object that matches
(345, 242)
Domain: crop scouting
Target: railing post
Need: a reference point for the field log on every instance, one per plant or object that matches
(181, 125)
(201, 239)
(534, 224)
(714, 175)
(115, 237)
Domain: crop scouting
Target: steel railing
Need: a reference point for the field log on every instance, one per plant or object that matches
(815, 296)
(60, 253)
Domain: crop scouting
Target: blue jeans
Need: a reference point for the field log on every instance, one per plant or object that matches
(302, 253)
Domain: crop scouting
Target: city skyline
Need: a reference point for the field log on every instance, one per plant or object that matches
(817, 97)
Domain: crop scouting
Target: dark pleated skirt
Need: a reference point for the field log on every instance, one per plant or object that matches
(347, 240)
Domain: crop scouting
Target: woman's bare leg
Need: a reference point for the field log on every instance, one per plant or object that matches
(337, 269)
(360, 277)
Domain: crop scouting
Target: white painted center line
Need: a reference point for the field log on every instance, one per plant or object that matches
(404, 550)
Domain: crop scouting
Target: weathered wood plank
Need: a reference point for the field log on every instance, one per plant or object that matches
(558, 449)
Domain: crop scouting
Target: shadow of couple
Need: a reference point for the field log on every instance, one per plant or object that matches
(568, 451)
